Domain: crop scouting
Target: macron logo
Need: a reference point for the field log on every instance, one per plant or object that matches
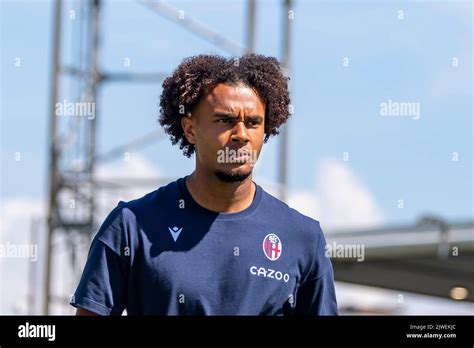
(175, 232)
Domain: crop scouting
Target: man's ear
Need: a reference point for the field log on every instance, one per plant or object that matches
(187, 123)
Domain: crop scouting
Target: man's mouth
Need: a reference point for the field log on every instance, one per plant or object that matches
(234, 156)
(241, 157)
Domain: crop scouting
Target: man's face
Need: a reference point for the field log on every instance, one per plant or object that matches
(227, 129)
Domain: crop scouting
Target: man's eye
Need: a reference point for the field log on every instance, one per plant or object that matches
(253, 123)
(223, 120)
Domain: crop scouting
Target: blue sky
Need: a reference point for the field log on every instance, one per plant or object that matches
(336, 107)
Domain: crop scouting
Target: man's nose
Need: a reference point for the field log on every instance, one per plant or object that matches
(239, 133)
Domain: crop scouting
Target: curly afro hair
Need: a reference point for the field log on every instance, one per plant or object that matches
(197, 75)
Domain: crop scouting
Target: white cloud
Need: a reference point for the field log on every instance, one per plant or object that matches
(338, 198)
(129, 171)
(346, 201)
(16, 217)
(16, 220)
(306, 203)
(136, 166)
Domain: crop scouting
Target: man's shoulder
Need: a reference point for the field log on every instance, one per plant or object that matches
(150, 201)
(127, 216)
(299, 222)
(141, 209)
(304, 231)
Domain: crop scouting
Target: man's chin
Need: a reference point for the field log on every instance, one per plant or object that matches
(232, 176)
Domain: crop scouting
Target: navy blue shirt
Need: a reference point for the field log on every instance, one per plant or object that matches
(164, 254)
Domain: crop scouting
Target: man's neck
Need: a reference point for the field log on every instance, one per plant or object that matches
(213, 194)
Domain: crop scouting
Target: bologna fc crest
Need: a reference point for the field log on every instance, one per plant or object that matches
(272, 247)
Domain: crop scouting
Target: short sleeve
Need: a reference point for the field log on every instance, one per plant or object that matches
(317, 296)
(102, 288)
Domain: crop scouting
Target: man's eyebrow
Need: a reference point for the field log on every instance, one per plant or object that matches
(229, 115)
(255, 117)
(224, 114)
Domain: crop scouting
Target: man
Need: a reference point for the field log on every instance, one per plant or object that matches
(213, 242)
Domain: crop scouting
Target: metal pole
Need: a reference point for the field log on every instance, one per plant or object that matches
(443, 244)
(53, 173)
(96, 79)
(251, 9)
(285, 61)
(199, 28)
(32, 269)
(443, 247)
